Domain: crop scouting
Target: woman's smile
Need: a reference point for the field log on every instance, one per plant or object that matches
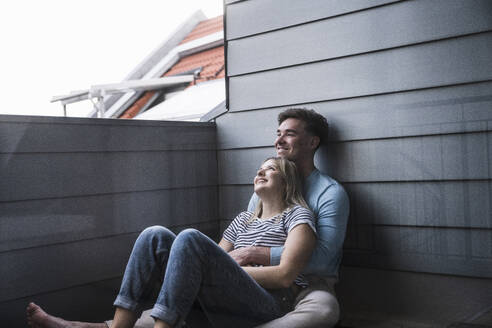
(268, 177)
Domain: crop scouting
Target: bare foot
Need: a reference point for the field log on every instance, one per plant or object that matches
(37, 318)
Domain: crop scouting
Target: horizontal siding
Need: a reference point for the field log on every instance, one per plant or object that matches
(75, 193)
(433, 250)
(38, 270)
(27, 224)
(76, 174)
(96, 300)
(244, 18)
(327, 39)
(408, 68)
(416, 299)
(25, 134)
(41, 269)
(453, 204)
(406, 87)
(425, 158)
(233, 200)
(455, 109)
(466, 204)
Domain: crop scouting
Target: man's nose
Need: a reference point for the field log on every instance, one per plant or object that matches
(279, 140)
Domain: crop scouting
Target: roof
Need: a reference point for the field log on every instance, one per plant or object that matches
(210, 61)
(204, 28)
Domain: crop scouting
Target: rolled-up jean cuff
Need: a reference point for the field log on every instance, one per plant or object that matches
(165, 314)
(128, 304)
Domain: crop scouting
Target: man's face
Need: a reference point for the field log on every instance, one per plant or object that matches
(293, 142)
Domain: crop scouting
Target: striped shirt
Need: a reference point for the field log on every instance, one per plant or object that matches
(270, 232)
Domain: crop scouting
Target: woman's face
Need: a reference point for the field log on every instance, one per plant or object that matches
(268, 177)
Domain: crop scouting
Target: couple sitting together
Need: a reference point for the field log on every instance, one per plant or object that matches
(275, 265)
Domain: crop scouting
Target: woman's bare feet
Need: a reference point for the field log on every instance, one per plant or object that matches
(37, 318)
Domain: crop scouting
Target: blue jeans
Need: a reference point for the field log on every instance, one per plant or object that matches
(189, 267)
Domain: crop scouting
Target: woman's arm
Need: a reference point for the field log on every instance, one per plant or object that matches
(297, 251)
(226, 245)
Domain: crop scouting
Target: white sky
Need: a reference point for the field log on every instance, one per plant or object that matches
(51, 47)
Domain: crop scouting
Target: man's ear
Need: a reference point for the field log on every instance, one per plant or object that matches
(314, 142)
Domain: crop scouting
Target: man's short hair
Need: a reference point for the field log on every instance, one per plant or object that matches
(315, 124)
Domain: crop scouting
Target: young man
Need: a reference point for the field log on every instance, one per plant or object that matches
(299, 135)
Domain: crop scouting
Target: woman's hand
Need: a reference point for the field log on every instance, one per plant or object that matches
(297, 251)
(245, 256)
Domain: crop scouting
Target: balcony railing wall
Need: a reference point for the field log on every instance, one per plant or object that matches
(75, 193)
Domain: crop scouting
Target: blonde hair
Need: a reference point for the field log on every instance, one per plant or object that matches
(292, 183)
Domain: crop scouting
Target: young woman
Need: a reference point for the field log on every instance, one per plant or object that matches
(190, 267)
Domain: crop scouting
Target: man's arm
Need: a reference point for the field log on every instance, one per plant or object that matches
(331, 227)
(332, 216)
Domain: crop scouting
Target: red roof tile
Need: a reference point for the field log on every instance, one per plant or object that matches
(137, 105)
(204, 28)
(211, 61)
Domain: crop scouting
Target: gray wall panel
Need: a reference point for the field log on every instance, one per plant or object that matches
(54, 134)
(455, 109)
(455, 204)
(50, 221)
(446, 157)
(41, 269)
(434, 204)
(234, 199)
(240, 166)
(96, 300)
(418, 300)
(407, 68)
(433, 250)
(255, 16)
(76, 192)
(426, 158)
(74, 174)
(407, 88)
(327, 39)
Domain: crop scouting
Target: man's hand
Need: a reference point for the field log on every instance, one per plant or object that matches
(251, 255)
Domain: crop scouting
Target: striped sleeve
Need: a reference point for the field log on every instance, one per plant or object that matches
(299, 215)
(238, 224)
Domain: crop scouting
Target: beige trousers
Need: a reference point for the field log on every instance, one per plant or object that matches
(315, 307)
